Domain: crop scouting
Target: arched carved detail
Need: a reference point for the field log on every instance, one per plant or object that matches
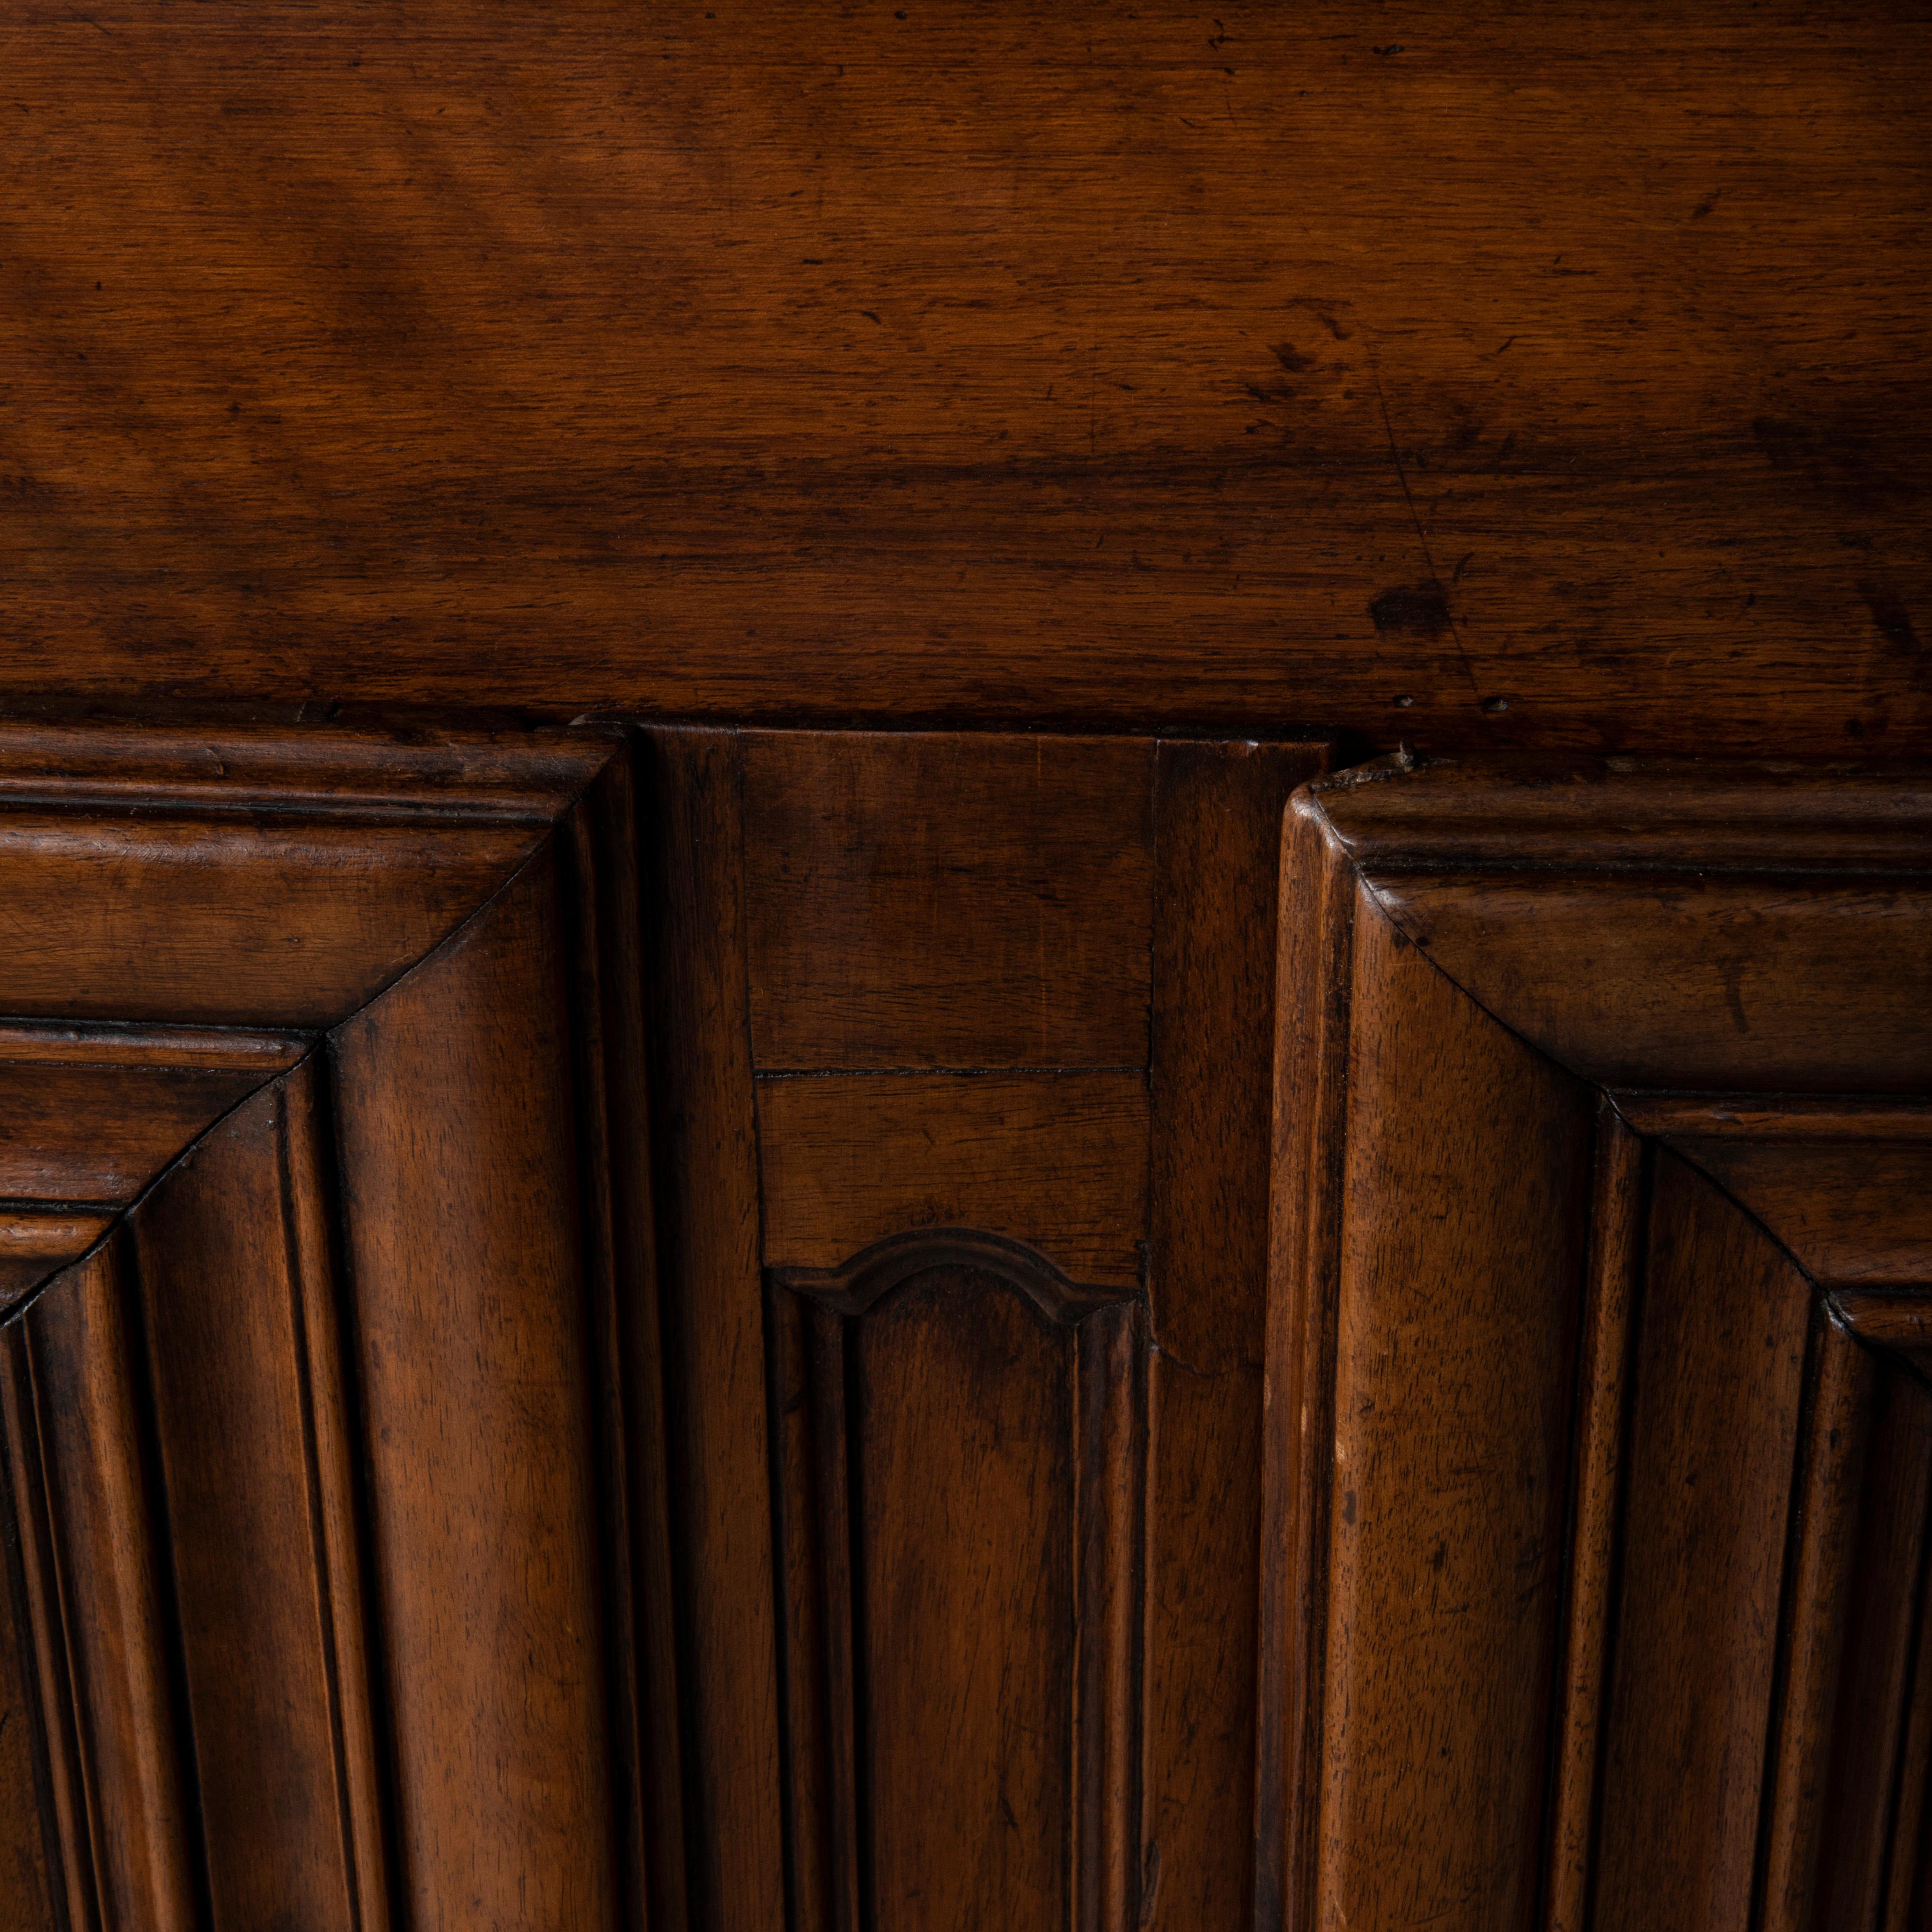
(869, 1276)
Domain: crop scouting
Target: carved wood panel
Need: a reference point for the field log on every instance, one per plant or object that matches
(936, 987)
(960, 1437)
(317, 1449)
(425, 1160)
(1598, 1489)
(506, 1420)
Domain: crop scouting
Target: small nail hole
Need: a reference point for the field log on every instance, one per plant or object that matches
(1495, 705)
(1403, 702)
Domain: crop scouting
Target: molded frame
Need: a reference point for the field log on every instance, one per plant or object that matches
(330, 1360)
(1513, 990)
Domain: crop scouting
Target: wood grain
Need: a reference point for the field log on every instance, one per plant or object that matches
(1641, 926)
(1740, 949)
(238, 878)
(966, 1639)
(97, 1135)
(67, 1873)
(961, 1475)
(1855, 1212)
(1269, 366)
(1057, 1160)
(1713, 1435)
(259, 1523)
(464, 1254)
(36, 1240)
(30, 1878)
(1217, 842)
(1818, 1594)
(1871, 1763)
(1468, 1163)
(1721, 988)
(1618, 1205)
(132, 1842)
(598, 849)
(1314, 978)
(934, 899)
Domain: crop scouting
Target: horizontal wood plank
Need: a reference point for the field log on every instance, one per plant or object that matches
(1289, 365)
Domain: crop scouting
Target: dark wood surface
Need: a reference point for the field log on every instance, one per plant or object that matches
(948, 899)
(697, 1403)
(1371, 367)
(1727, 1568)
(733, 1323)
(315, 1618)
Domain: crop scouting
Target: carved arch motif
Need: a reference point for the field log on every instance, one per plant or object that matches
(944, 1372)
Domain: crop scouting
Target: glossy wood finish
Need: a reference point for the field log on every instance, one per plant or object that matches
(1713, 1437)
(583, 1427)
(315, 1458)
(1735, 1715)
(1217, 814)
(962, 1514)
(847, 1161)
(705, 1178)
(1376, 368)
(463, 1244)
(913, 901)
(948, 899)
(249, 1404)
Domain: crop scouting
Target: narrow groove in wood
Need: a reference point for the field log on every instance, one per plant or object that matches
(933, 1073)
(587, 942)
(376, 1645)
(1826, 1490)
(89, 1829)
(342, 1508)
(856, 1549)
(785, 1533)
(1109, 1371)
(318, 1539)
(1776, 1117)
(1317, 921)
(20, 1621)
(705, 1189)
(640, 1363)
(71, 1828)
(799, 1915)
(1613, 1285)
(168, 1635)
(1904, 1865)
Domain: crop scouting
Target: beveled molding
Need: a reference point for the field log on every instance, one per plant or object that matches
(328, 1368)
(1599, 1464)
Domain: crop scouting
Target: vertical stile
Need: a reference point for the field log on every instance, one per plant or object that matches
(1317, 930)
(109, 1577)
(842, 1609)
(1907, 1868)
(613, 1168)
(705, 1195)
